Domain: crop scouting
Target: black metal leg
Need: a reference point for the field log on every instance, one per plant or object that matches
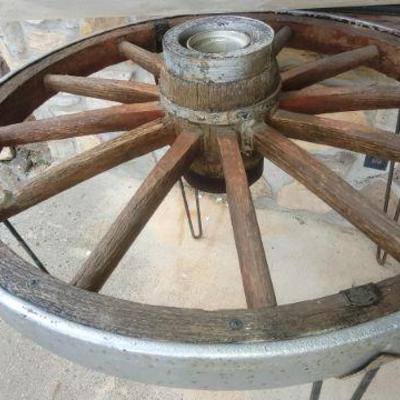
(364, 384)
(22, 242)
(316, 390)
(195, 235)
(381, 256)
(189, 217)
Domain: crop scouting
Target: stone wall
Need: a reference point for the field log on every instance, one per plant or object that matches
(22, 41)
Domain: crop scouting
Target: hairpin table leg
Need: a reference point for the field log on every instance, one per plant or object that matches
(22, 242)
(199, 234)
(364, 384)
(381, 255)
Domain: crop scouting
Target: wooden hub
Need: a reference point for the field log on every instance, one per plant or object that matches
(220, 77)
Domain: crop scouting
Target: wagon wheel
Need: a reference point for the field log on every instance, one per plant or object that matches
(266, 345)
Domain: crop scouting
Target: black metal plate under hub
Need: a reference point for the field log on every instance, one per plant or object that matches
(214, 185)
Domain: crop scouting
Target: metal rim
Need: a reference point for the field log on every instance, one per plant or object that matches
(215, 366)
(267, 360)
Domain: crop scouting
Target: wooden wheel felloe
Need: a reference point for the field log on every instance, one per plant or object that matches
(217, 140)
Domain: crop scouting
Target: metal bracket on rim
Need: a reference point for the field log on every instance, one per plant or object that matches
(362, 296)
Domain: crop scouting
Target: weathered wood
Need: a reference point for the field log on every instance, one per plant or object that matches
(25, 90)
(330, 188)
(185, 325)
(339, 99)
(282, 37)
(151, 62)
(85, 165)
(327, 67)
(117, 118)
(257, 283)
(106, 256)
(106, 89)
(216, 96)
(346, 135)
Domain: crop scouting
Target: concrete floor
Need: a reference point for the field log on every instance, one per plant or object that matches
(302, 236)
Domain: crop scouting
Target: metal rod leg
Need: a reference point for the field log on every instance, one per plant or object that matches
(381, 256)
(199, 235)
(22, 242)
(189, 217)
(364, 384)
(316, 390)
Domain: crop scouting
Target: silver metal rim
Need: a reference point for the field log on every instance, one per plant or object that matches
(202, 366)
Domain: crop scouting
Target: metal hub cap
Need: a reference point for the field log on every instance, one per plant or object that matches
(218, 41)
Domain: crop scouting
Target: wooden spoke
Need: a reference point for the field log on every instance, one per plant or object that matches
(339, 99)
(281, 38)
(354, 137)
(106, 89)
(256, 278)
(151, 62)
(83, 166)
(106, 256)
(117, 118)
(330, 188)
(316, 71)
